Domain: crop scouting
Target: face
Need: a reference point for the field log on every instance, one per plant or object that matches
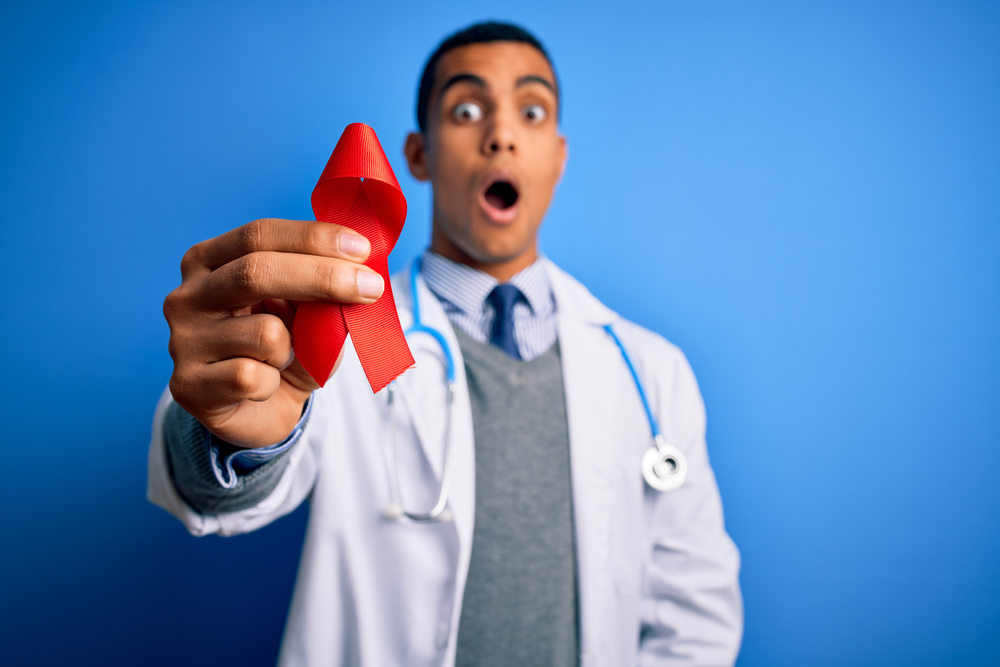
(492, 151)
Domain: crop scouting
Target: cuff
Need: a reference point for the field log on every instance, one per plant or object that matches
(229, 461)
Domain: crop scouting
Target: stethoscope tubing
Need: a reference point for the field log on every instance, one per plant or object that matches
(664, 467)
(397, 508)
(654, 426)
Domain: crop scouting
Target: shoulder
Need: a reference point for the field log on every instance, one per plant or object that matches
(663, 362)
(574, 297)
(659, 362)
(670, 383)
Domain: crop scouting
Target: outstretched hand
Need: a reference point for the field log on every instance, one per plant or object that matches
(231, 321)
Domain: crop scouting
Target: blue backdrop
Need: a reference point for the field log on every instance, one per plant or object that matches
(805, 198)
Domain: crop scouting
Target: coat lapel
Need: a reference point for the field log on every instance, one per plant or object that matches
(423, 403)
(586, 358)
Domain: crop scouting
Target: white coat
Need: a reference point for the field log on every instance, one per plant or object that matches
(657, 572)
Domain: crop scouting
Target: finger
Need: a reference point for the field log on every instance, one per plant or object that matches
(224, 383)
(280, 275)
(282, 309)
(274, 235)
(261, 337)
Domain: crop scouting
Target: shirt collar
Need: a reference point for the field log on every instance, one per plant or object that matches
(466, 288)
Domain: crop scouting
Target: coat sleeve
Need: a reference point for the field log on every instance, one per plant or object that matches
(691, 609)
(292, 488)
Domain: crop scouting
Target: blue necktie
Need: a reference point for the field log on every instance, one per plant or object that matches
(503, 297)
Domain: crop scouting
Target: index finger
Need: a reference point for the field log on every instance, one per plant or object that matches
(276, 235)
(253, 278)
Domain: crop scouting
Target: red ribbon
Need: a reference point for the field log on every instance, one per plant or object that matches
(357, 190)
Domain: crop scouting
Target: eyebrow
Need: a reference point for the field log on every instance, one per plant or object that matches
(459, 78)
(534, 78)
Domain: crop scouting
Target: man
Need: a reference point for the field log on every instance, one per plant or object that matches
(551, 549)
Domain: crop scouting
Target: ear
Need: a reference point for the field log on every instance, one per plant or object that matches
(416, 156)
(563, 155)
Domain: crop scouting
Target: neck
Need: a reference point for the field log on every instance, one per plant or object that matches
(501, 269)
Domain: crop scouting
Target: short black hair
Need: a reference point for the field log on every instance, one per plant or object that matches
(479, 33)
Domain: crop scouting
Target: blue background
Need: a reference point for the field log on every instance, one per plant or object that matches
(805, 197)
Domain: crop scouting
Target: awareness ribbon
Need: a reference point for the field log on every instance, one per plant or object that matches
(357, 190)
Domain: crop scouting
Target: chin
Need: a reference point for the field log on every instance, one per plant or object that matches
(483, 240)
(491, 243)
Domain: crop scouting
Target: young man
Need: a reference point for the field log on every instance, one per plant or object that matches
(550, 549)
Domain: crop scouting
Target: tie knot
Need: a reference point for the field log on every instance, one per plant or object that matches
(503, 297)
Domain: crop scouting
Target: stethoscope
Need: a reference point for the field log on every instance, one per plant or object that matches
(664, 467)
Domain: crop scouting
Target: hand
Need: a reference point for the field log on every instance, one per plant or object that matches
(230, 322)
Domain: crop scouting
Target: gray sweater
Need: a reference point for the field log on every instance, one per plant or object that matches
(520, 604)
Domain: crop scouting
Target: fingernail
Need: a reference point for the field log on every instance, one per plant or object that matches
(291, 358)
(354, 245)
(370, 284)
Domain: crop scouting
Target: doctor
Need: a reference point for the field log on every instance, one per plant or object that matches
(493, 509)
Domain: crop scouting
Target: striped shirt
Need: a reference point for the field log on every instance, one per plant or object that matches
(462, 291)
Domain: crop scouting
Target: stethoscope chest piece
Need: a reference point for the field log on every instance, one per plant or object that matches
(664, 467)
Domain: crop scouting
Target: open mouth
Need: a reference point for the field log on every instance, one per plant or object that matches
(501, 195)
(500, 201)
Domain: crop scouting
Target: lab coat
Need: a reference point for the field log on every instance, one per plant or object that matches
(658, 575)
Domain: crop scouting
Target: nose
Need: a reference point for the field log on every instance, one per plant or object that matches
(500, 137)
(498, 145)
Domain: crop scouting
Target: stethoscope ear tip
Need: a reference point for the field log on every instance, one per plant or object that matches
(446, 516)
(393, 511)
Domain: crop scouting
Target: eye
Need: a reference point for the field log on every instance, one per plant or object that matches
(533, 113)
(468, 112)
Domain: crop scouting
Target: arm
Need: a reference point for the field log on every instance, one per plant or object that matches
(213, 476)
(692, 610)
(288, 482)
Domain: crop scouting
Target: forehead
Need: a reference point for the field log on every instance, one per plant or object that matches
(496, 62)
